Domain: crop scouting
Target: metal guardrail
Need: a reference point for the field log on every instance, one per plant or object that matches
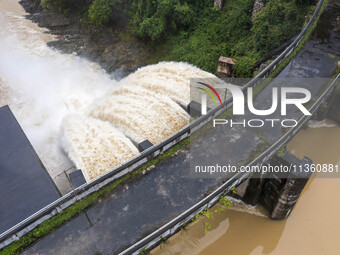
(79, 193)
(172, 227)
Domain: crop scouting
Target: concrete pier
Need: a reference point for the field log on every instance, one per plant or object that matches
(278, 192)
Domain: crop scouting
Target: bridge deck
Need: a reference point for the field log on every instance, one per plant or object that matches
(145, 203)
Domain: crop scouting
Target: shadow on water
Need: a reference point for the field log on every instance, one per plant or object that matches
(232, 232)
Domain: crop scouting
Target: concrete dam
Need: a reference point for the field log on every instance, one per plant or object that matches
(99, 134)
(101, 138)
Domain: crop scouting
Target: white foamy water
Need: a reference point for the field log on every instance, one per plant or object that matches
(95, 146)
(45, 89)
(240, 206)
(170, 79)
(140, 113)
(41, 85)
(321, 124)
(142, 106)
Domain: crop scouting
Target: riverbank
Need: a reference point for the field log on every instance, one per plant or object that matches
(112, 49)
(134, 39)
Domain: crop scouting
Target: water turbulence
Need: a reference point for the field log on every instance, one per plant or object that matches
(143, 106)
(170, 79)
(104, 118)
(140, 114)
(94, 145)
(41, 85)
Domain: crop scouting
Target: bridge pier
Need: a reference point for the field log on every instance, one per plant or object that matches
(277, 192)
(253, 189)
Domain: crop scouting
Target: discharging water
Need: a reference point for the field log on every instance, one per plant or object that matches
(43, 86)
(312, 228)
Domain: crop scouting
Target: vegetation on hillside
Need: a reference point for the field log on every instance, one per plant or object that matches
(194, 31)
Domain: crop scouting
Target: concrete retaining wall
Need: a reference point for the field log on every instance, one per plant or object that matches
(278, 192)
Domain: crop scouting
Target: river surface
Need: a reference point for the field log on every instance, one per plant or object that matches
(312, 228)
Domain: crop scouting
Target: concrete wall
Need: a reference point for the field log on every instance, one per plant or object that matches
(278, 193)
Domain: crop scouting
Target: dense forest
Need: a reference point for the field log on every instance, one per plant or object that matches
(193, 30)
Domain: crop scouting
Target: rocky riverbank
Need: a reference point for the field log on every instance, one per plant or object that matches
(116, 51)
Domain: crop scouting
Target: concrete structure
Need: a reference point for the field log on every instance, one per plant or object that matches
(144, 145)
(194, 109)
(77, 178)
(333, 112)
(290, 192)
(225, 67)
(25, 185)
(277, 192)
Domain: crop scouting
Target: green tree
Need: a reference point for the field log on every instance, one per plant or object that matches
(99, 12)
(277, 22)
(152, 28)
(243, 67)
(155, 19)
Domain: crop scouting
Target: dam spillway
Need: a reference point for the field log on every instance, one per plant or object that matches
(143, 106)
(52, 86)
(94, 145)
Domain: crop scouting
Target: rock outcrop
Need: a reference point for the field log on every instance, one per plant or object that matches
(106, 46)
(219, 4)
(258, 6)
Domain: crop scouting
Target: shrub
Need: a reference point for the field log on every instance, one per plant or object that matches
(153, 20)
(277, 22)
(152, 28)
(243, 67)
(63, 5)
(99, 12)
